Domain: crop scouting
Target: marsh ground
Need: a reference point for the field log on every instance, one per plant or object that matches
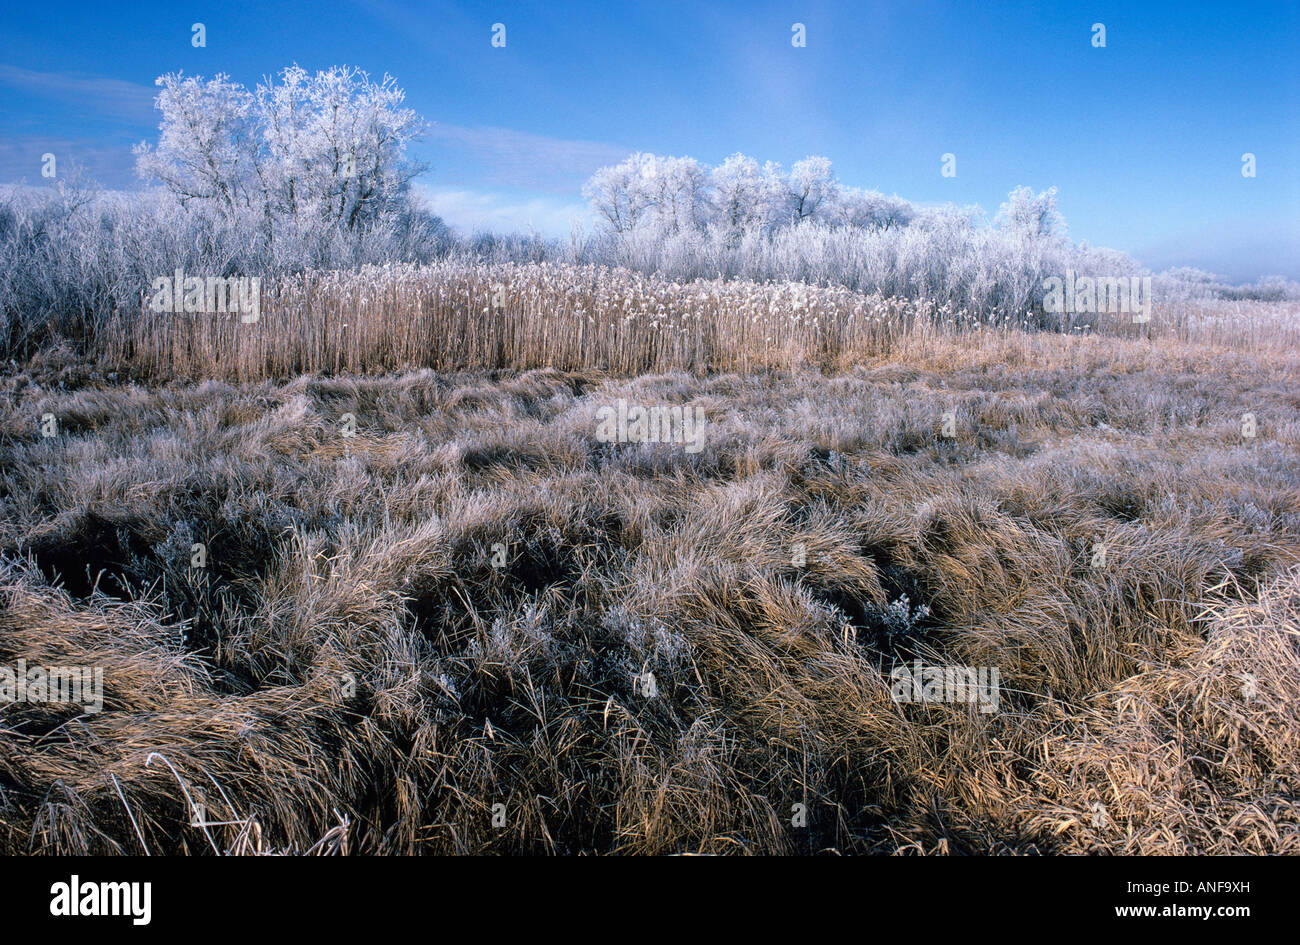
(353, 670)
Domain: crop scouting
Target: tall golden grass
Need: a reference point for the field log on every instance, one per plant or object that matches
(463, 315)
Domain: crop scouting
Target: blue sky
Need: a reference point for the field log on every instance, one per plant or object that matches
(1143, 138)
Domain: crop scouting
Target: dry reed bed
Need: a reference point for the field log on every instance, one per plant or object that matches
(463, 315)
(368, 562)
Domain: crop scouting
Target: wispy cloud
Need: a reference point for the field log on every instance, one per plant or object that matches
(510, 158)
(22, 156)
(95, 95)
(472, 210)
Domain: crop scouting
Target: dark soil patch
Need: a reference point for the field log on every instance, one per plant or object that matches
(96, 553)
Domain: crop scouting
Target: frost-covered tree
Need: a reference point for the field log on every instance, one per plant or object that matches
(745, 195)
(662, 197)
(307, 154)
(668, 194)
(335, 145)
(618, 194)
(1032, 215)
(208, 146)
(813, 188)
(871, 210)
(675, 191)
